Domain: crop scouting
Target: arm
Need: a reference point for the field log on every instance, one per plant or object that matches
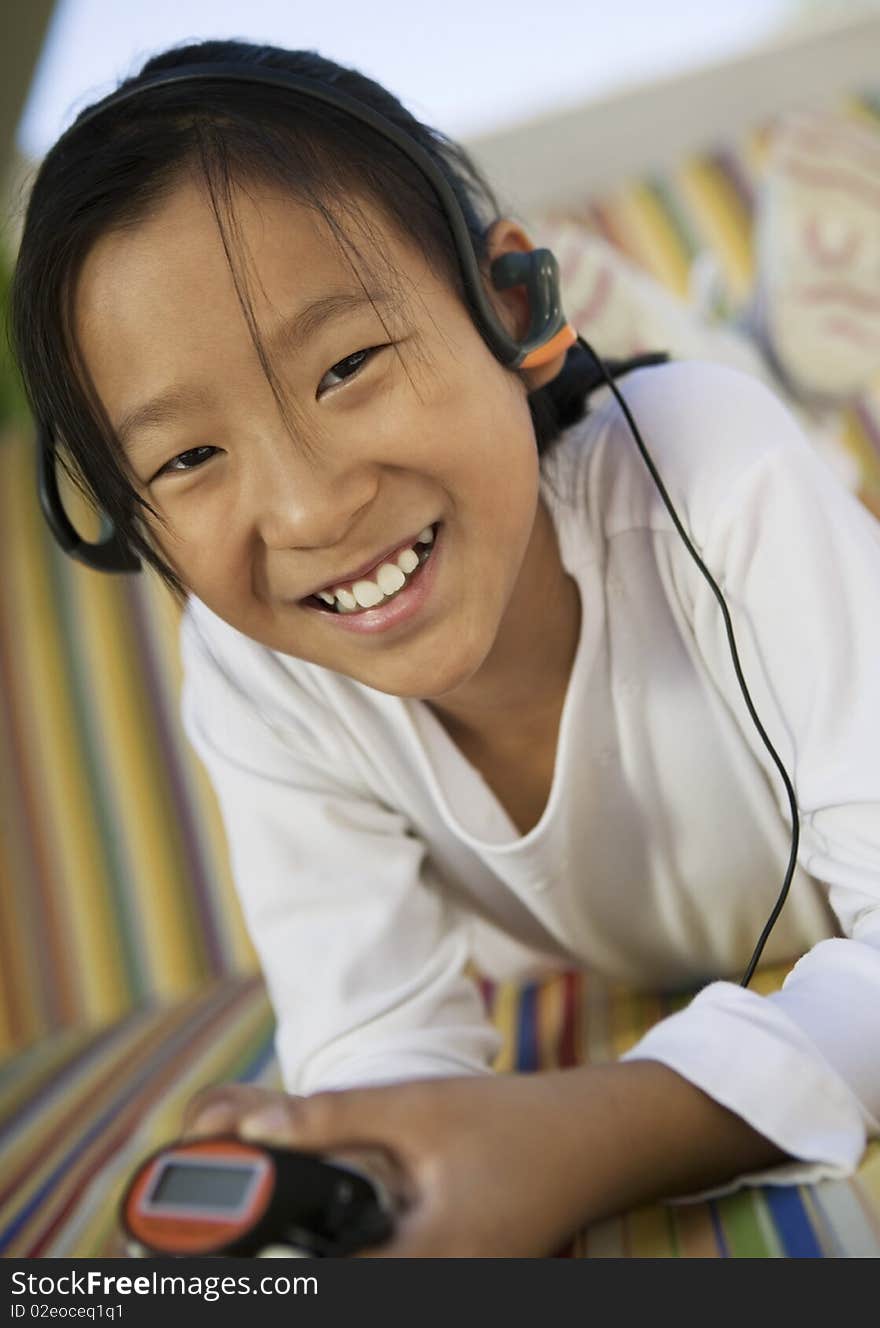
(652, 1135)
(608, 1136)
(362, 951)
(798, 559)
(511, 1165)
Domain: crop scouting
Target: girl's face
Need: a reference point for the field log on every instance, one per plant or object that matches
(382, 446)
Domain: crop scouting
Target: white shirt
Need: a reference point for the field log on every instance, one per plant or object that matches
(373, 860)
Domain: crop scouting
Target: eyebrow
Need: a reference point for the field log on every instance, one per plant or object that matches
(288, 335)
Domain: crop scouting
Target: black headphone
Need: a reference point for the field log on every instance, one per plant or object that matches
(547, 335)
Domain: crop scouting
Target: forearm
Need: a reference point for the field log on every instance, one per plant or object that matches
(509, 1165)
(638, 1131)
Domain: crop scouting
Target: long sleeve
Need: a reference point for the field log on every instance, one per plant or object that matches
(798, 560)
(362, 952)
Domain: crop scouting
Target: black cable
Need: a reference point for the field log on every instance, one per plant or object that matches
(795, 823)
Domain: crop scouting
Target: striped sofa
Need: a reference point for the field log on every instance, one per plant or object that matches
(127, 980)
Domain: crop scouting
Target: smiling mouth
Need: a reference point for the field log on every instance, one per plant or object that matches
(389, 579)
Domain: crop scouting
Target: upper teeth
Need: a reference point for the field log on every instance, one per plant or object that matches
(389, 578)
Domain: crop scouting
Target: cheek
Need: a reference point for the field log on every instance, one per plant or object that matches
(200, 544)
(504, 458)
(486, 428)
(464, 388)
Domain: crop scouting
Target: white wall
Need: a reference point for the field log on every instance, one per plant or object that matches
(468, 66)
(593, 94)
(563, 158)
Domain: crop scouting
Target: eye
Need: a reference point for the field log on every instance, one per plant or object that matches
(352, 363)
(171, 467)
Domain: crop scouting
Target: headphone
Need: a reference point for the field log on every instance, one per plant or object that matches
(548, 333)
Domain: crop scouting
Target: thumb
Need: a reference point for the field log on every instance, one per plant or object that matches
(318, 1121)
(218, 1108)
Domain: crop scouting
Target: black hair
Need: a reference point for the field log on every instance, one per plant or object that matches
(116, 174)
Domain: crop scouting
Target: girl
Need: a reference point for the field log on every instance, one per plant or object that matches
(463, 693)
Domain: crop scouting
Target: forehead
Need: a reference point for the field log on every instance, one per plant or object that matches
(158, 307)
(180, 266)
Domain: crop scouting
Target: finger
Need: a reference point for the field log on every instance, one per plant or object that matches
(412, 1239)
(219, 1108)
(334, 1118)
(379, 1165)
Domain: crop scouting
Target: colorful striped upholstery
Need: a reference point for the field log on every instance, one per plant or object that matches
(126, 977)
(115, 883)
(78, 1110)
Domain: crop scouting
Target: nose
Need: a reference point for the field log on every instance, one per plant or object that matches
(311, 501)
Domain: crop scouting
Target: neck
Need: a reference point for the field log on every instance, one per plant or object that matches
(526, 673)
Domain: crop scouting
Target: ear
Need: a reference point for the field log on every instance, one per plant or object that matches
(506, 236)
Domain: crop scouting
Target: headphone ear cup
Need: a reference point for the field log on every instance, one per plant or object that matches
(538, 271)
(112, 553)
(513, 269)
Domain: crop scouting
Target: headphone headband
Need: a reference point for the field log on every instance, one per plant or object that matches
(503, 346)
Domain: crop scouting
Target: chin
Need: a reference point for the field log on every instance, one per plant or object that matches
(415, 684)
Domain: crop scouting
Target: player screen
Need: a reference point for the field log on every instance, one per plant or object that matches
(202, 1186)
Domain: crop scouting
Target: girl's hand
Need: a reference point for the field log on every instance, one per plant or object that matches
(481, 1165)
(511, 1165)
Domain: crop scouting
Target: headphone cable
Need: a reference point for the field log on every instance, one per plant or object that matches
(795, 823)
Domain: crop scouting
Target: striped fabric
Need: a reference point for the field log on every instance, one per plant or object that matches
(77, 1112)
(126, 977)
(114, 882)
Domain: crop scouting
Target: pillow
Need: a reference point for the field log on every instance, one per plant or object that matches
(815, 305)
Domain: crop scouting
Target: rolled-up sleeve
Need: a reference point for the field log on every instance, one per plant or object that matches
(798, 559)
(363, 952)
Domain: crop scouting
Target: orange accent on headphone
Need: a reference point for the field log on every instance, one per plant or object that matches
(564, 338)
